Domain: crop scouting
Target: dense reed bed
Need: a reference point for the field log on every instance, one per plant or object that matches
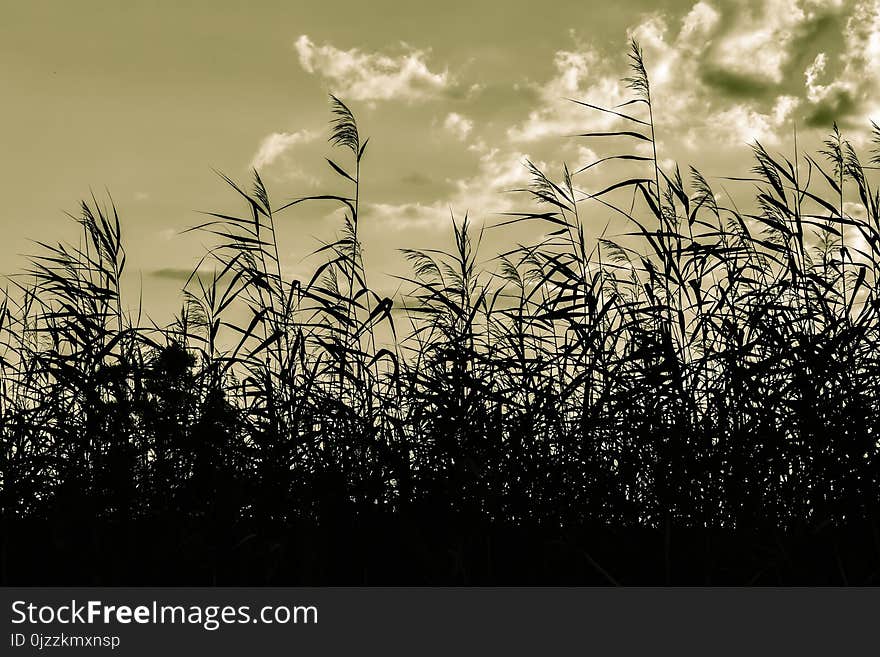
(695, 402)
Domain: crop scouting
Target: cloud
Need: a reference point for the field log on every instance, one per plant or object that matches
(579, 76)
(172, 273)
(408, 216)
(586, 74)
(701, 53)
(815, 91)
(724, 73)
(759, 44)
(459, 126)
(357, 75)
(182, 275)
(846, 86)
(479, 195)
(744, 124)
(276, 144)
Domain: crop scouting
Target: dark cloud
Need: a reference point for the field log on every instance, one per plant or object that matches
(838, 106)
(735, 85)
(824, 33)
(821, 33)
(178, 274)
(415, 178)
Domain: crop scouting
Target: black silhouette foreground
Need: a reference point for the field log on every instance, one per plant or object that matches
(694, 403)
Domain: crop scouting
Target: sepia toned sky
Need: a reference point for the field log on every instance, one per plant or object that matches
(146, 99)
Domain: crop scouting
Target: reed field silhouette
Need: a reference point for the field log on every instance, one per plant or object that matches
(695, 403)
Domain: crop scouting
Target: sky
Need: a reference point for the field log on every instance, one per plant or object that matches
(147, 101)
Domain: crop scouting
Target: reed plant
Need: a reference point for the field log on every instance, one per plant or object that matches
(713, 369)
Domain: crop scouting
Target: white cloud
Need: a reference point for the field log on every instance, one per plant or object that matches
(854, 238)
(480, 195)
(699, 22)
(759, 45)
(816, 91)
(276, 144)
(579, 76)
(670, 61)
(688, 112)
(693, 120)
(744, 124)
(357, 75)
(459, 126)
(586, 75)
(408, 216)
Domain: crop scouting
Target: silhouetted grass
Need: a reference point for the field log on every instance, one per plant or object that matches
(697, 401)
